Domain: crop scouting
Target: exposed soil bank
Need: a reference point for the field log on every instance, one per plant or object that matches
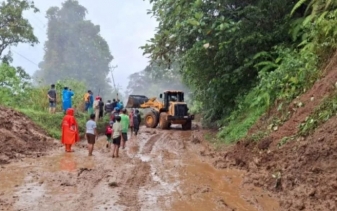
(159, 170)
(302, 173)
(20, 137)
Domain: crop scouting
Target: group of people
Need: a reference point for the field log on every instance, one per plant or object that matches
(116, 132)
(120, 120)
(67, 95)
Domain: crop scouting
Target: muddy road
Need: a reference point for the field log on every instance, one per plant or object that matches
(158, 170)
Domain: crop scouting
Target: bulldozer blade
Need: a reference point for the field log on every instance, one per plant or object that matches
(135, 101)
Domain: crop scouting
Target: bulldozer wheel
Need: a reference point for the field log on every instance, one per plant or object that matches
(163, 123)
(151, 120)
(187, 125)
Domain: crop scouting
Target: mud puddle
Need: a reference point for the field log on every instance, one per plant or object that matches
(159, 170)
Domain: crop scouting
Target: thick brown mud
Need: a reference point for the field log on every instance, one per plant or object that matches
(159, 170)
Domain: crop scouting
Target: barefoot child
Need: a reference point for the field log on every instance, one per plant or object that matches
(108, 133)
(117, 136)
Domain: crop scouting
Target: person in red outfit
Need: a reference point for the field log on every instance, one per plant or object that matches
(70, 133)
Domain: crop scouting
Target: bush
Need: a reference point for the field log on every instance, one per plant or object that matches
(296, 71)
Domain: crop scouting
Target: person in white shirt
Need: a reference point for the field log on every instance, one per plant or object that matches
(91, 133)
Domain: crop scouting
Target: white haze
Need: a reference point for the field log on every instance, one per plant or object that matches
(124, 25)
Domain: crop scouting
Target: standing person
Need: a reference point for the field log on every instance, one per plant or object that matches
(108, 107)
(125, 127)
(91, 103)
(86, 100)
(96, 108)
(52, 99)
(70, 95)
(131, 120)
(91, 133)
(114, 114)
(108, 133)
(119, 104)
(117, 136)
(136, 121)
(65, 100)
(101, 108)
(114, 104)
(70, 133)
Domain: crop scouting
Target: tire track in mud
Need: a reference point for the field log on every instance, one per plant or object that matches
(138, 177)
(89, 180)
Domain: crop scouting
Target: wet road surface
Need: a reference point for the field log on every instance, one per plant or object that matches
(159, 170)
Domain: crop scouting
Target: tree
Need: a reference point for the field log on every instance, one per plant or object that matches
(15, 29)
(75, 49)
(215, 43)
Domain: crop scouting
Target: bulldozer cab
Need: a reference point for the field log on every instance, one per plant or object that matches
(171, 96)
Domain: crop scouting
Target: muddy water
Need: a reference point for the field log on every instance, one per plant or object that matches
(159, 170)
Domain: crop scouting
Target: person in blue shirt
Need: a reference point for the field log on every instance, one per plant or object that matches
(120, 104)
(70, 95)
(65, 99)
(91, 103)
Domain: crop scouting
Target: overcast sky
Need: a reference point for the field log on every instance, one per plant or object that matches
(124, 25)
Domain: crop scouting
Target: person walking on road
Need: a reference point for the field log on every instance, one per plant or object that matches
(70, 133)
(108, 134)
(136, 121)
(125, 122)
(117, 136)
(101, 108)
(52, 99)
(91, 133)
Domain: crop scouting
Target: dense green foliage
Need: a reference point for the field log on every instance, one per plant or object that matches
(16, 91)
(75, 49)
(216, 42)
(241, 58)
(15, 29)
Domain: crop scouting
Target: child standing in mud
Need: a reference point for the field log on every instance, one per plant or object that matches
(108, 133)
(91, 133)
(117, 136)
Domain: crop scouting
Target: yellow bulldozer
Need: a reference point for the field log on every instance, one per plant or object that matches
(170, 110)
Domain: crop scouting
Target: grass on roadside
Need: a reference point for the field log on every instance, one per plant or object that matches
(52, 123)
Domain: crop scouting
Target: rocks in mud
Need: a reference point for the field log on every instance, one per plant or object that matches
(67, 184)
(113, 184)
(195, 140)
(264, 144)
(312, 192)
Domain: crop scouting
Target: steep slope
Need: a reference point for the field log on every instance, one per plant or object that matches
(302, 173)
